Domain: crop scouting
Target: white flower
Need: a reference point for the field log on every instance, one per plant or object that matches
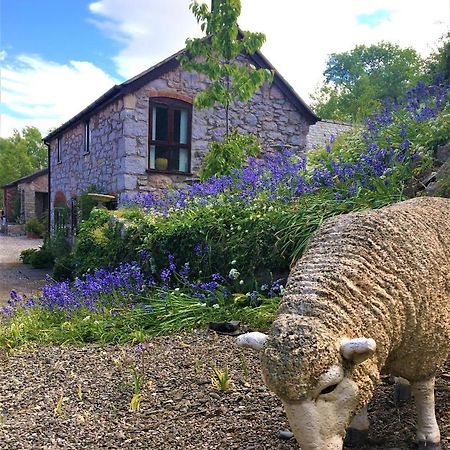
(241, 282)
(177, 289)
(234, 274)
(264, 287)
(216, 306)
(233, 262)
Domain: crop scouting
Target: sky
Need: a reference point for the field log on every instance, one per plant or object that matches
(57, 56)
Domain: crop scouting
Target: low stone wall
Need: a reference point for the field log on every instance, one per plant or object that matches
(319, 134)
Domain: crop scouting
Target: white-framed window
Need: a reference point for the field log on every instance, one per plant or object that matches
(87, 137)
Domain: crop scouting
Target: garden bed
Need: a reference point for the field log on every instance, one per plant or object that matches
(79, 397)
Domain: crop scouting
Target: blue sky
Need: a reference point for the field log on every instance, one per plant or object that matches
(374, 19)
(57, 56)
(55, 29)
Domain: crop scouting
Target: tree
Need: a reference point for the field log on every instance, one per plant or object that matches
(21, 154)
(216, 56)
(358, 81)
(438, 63)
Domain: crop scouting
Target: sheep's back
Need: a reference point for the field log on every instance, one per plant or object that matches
(383, 274)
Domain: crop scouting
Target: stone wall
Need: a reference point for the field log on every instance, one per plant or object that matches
(319, 133)
(28, 191)
(104, 162)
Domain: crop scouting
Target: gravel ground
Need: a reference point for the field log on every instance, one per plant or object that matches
(180, 409)
(14, 274)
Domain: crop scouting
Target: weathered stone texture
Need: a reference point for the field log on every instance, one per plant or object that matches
(102, 166)
(321, 132)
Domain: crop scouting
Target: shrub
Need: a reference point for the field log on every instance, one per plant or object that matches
(42, 259)
(34, 226)
(26, 255)
(64, 268)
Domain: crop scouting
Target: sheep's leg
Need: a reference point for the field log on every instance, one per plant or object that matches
(428, 436)
(358, 431)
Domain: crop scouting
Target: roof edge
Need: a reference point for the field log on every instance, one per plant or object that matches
(30, 177)
(102, 100)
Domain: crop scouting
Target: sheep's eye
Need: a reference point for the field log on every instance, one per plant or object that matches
(328, 389)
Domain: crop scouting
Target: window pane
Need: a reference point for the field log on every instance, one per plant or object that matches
(152, 157)
(183, 165)
(180, 124)
(87, 137)
(160, 125)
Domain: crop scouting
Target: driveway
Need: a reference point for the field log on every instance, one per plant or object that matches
(14, 274)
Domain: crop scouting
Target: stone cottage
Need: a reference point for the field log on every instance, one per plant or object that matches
(26, 197)
(145, 134)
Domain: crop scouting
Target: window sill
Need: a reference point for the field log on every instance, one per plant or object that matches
(169, 172)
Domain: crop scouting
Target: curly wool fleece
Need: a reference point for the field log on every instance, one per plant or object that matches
(383, 274)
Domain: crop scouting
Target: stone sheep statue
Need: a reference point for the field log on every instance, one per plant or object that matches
(370, 295)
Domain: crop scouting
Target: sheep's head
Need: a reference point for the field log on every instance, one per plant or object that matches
(316, 376)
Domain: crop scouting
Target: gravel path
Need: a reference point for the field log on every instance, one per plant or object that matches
(14, 274)
(179, 410)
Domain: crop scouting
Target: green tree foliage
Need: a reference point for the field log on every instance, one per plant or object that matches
(357, 81)
(216, 56)
(438, 63)
(229, 154)
(21, 154)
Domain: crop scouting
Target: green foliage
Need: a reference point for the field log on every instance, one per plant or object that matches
(99, 243)
(221, 379)
(216, 56)
(86, 203)
(357, 81)
(26, 255)
(21, 154)
(54, 248)
(179, 313)
(42, 259)
(58, 245)
(34, 226)
(444, 188)
(229, 154)
(438, 63)
(64, 268)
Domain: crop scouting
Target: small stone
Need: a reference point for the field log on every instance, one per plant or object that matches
(285, 435)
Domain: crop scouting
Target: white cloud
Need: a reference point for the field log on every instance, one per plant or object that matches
(300, 34)
(45, 94)
(151, 31)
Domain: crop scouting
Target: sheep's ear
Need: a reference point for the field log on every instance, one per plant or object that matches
(254, 340)
(357, 350)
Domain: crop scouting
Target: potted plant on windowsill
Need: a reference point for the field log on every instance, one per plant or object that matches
(34, 228)
(161, 164)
